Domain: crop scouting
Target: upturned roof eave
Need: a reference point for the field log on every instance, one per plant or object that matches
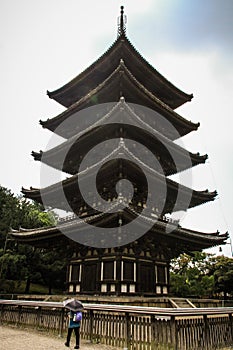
(69, 185)
(204, 240)
(158, 105)
(78, 141)
(61, 95)
(195, 161)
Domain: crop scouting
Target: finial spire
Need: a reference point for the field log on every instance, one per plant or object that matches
(122, 22)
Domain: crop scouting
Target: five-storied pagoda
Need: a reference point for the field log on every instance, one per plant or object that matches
(121, 98)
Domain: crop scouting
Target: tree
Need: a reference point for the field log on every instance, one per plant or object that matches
(222, 270)
(190, 275)
(21, 262)
(53, 268)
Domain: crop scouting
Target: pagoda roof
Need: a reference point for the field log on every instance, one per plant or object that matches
(102, 68)
(172, 157)
(121, 160)
(161, 231)
(121, 82)
(74, 155)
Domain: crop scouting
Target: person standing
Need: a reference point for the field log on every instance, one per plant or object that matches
(74, 324)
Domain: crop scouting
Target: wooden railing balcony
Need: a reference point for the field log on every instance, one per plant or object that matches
(130, 327)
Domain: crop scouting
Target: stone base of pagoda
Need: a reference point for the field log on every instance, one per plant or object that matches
(111, 289)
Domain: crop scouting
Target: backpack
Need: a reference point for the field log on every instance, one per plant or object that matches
(77, 317)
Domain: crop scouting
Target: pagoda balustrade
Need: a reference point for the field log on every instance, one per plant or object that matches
(153, 214)
(67, 218)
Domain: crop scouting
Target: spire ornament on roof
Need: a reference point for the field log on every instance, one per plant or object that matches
(122, 20)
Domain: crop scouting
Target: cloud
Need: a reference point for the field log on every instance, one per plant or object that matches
(207, 22)
(187, 24)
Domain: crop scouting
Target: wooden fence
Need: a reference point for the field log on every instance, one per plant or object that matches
(130, 327)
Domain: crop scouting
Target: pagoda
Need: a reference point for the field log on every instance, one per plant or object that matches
(120, 98)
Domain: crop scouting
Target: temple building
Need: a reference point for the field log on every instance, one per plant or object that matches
(120, 98)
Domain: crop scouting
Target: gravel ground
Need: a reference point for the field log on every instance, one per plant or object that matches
(25, 339)
(22, 339)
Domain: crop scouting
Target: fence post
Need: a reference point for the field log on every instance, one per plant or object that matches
(38, 316)
(231, 326)
(174, 333)
(91, 324)
(61, 322)
(19, 314)
(127, 332)
(1, 313)
(153, 337)
(206, 332)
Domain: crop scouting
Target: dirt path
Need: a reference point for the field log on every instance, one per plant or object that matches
(23, 339)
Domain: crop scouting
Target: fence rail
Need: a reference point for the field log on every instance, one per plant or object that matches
(130, 327)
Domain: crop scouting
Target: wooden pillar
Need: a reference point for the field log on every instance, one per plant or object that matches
(68, 277)
(98, 273)
(118, 275)
(139, 277)
(168, 277)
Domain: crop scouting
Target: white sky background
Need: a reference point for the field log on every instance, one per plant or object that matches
(46, 43)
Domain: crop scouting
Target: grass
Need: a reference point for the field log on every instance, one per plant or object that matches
(16, 287)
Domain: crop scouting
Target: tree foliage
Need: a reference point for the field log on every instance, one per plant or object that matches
(201, 275)
(222, 271)
(20, 262)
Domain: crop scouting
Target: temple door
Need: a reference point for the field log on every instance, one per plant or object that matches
(89, 277)
(147, 278)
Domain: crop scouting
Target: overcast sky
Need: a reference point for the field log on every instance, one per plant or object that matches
(46, 43)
